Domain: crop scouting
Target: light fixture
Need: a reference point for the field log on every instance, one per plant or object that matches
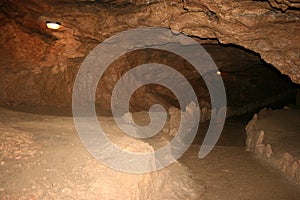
(218, 72)
(53, 25)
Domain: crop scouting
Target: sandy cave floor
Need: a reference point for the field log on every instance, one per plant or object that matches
(42, 156)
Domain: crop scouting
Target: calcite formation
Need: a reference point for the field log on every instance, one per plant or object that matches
(270, 137)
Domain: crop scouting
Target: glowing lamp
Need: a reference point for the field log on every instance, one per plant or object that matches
(219, 73)
(53, 25)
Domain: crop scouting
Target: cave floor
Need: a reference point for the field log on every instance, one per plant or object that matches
(42, 157)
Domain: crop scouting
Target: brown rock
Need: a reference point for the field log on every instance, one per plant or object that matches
(46, 61)
(285, 161)
(285, 4)
(268, 151)
(234, 22)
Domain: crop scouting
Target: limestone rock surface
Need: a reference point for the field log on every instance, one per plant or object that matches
(41, 64)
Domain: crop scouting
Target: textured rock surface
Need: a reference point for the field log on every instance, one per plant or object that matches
(53, 164)
(42, 63)
(285, 4)
(250, 24)
(274, 136)
(66, 171)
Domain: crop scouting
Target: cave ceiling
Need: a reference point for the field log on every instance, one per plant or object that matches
(270, 29)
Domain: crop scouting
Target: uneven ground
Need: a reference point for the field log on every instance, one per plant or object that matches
(56, 165)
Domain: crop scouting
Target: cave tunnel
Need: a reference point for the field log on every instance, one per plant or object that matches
(51, 146)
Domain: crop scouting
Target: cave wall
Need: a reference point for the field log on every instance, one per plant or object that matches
(38, 65)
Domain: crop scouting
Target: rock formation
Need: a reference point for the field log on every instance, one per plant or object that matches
(285, 4)
(270, 136)
(40, 64)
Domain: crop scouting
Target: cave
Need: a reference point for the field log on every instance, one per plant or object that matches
(122, 99)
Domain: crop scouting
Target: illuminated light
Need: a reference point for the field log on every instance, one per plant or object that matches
(219, 73)
(53, 25)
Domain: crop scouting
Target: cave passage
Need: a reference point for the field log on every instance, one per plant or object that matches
(255, 46)
(41, 147)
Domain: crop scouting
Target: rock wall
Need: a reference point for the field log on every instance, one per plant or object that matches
(251, 24)
(42, 63)
(285, 4)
